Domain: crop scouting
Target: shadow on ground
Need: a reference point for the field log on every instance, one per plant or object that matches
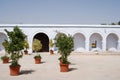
(26, 72)
(42, 62)
(72, 69)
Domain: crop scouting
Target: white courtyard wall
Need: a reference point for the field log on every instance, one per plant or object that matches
(83, 35)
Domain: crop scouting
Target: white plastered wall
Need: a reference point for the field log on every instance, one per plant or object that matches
(79, 42)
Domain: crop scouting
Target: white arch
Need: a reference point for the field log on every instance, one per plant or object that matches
(97, 39)
(102, 34)
(113, 32)
(78, 31)
(30, 38)
(112, 42)
(79, 42)
(3, 37)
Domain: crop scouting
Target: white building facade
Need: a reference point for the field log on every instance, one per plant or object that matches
(86, 37)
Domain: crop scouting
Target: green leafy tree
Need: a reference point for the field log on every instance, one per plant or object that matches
(26, 45)
(6, 44)
(37, 45)
(113, 24)
(15, 44)
(51, 44)
(65, 45)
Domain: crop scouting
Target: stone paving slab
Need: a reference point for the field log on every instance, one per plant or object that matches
(83, 67)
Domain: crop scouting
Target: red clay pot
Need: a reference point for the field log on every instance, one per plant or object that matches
(37, 60)
(64, 67)
(26, 52)
(14, 70)
(51, 52)
(5, 60)
(60, 61)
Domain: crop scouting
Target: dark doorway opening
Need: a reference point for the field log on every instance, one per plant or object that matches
(44, 40)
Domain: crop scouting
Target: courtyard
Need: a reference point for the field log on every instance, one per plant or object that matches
(83, 67)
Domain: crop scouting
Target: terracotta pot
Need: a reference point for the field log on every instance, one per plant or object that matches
(26, 52)
(37, 60)
(64, 67)
(51, 52)
(6, 60)
(14, 70)
(60, 61)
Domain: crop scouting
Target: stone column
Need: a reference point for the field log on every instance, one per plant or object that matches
(30, 45)
(104, 45)
(118, 45)
(87, 44)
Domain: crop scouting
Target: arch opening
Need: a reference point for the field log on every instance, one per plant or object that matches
(44, 40)
(79, 42)
(112, 42)
(95, 42)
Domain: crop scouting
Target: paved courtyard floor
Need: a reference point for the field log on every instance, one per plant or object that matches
(83, 67)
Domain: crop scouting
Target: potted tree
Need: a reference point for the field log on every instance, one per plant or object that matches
(37, 58)
(37, 45)
(26, 46)
(5, 58)
(51, 44)
(65, 45)
(15, 47)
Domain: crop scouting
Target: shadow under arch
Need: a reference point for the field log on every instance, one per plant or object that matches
(112, 42)
(79, 42)
(44, 40)
(95, 38)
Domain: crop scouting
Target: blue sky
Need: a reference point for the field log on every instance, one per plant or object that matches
(59, 11)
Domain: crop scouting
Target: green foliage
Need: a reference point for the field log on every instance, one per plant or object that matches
(26, 44)
(65, 45)
(117, 23)
(15, 57)
(15, 44)
(16, 39)
(51, 44)
(113, 24)
(37, 45)
(6, 44)
(14, 63)
(4, 57)
(37, 56)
